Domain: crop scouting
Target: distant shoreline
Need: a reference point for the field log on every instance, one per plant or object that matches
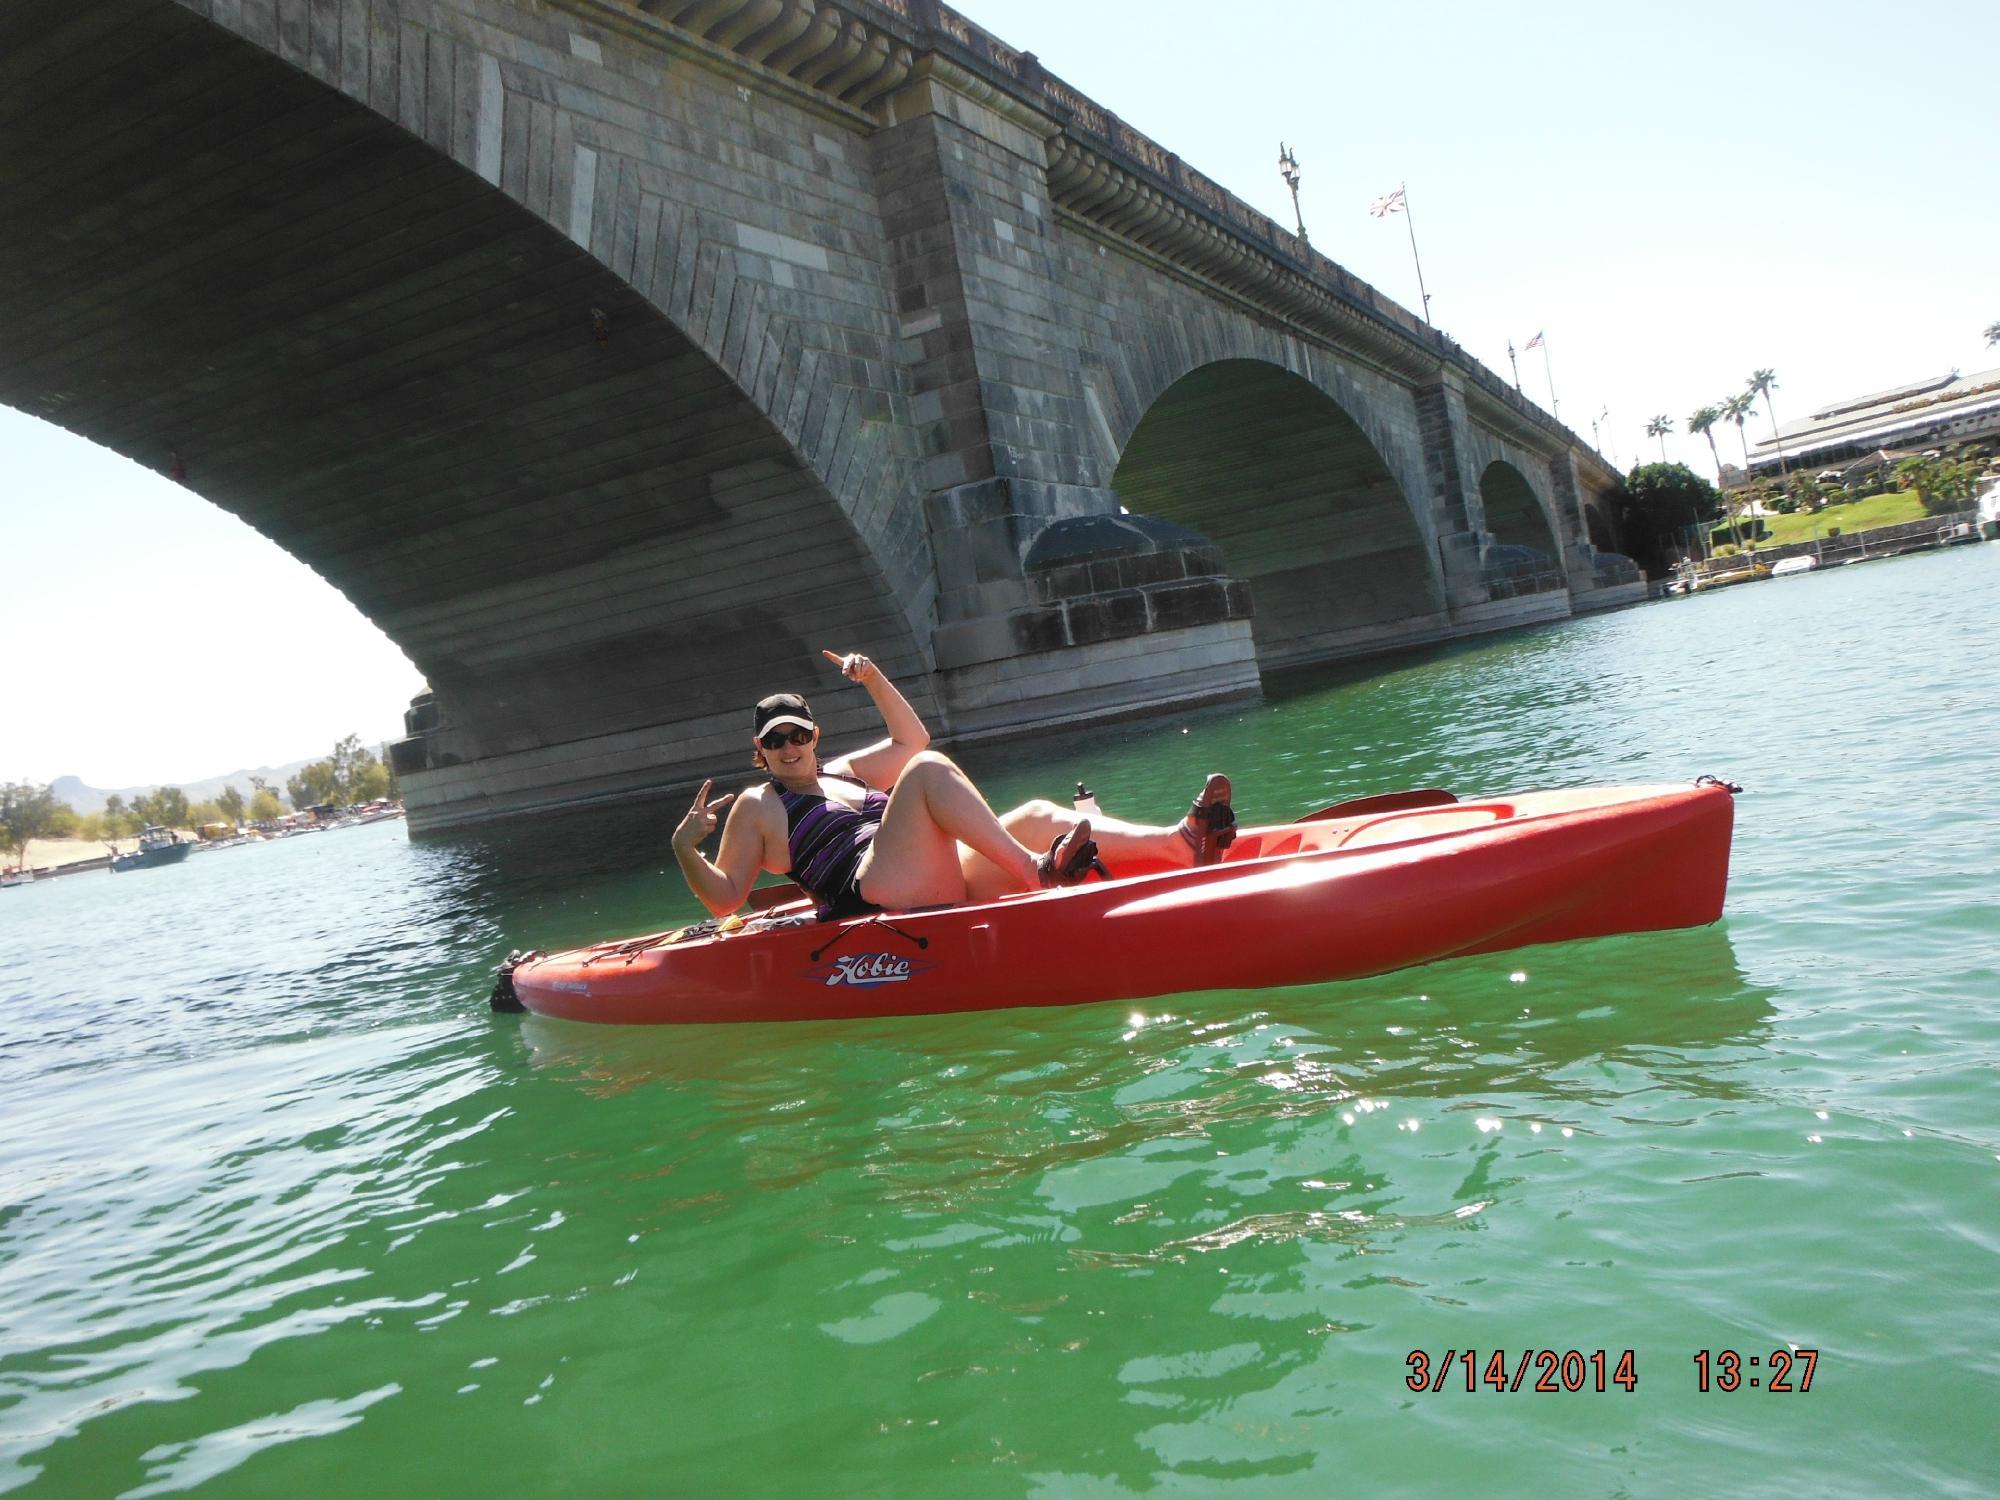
(46, 854)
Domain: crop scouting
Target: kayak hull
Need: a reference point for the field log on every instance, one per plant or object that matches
(1295, 903)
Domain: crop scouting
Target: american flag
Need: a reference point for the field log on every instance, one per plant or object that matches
(1388, 203)
(1533, 343)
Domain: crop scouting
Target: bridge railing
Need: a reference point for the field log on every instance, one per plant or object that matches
(859, 52)
(943, 29)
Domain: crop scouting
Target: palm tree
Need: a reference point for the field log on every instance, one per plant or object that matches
(1703, 421)
(1763, 383)
(1659, 427)
(1737, 409)
(1993, 333)
(1919, 474)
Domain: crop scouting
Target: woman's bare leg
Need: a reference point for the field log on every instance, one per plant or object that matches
(1038, 824)
(915, 859)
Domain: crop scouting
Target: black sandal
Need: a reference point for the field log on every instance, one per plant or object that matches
(1210, 826)
(1070, 859)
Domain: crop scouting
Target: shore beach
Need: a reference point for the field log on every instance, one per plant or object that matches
(46, 854)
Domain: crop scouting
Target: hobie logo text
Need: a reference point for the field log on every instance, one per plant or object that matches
(868, 969)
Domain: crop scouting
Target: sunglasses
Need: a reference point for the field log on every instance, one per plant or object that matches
(777, 739)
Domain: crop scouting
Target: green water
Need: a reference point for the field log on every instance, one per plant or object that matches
(285, 1209)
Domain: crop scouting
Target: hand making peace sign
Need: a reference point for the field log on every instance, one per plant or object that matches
(701, 818)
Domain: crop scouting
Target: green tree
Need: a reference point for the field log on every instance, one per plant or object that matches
(265, 806)
(164, 807)
(314, 784)
(117, 821)
(1807, 491)
(28, 812)
(1659, 503)
(1659, 427)
(231, 804)
(1944, 485)
(1992, 334)
(348, 758)
(371, 781)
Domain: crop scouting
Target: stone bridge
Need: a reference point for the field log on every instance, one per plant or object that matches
(614, 356)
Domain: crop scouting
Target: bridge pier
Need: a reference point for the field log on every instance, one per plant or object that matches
(1053, 604)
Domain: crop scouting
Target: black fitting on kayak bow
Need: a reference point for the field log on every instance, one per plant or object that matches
(503, 998)
(875, 921)
(1728, 786)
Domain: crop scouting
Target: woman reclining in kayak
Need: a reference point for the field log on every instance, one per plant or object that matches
(898, 825)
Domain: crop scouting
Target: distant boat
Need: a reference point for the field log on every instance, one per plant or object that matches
(1794, 565)
(22, 876)
(157, 846)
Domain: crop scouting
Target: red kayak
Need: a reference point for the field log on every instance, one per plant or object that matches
(1330, 897)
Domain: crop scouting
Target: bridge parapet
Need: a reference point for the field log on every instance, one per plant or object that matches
(1102, 172)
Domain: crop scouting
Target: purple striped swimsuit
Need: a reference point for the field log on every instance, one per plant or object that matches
(826, 840)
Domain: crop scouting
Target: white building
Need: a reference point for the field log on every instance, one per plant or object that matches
(1942, 413)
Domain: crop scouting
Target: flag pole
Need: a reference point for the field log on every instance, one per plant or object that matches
(1555, 407)
(1410, 222)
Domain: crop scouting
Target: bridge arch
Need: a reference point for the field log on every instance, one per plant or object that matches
(1299, 499)
(518, 435)
(1523, 555)
(1515, 514)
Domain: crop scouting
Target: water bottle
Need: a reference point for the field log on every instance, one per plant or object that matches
(1086, 801)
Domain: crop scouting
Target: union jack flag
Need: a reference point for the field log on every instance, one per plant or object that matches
(1388, 203)
(1533, 343)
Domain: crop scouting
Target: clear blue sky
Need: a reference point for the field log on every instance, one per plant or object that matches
(1676, 197)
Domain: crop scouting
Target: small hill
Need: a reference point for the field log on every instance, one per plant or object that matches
(90, 799)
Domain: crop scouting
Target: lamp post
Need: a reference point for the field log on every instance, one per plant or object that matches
(1288, 168)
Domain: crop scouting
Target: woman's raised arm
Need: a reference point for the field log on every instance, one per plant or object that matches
(881, 763)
